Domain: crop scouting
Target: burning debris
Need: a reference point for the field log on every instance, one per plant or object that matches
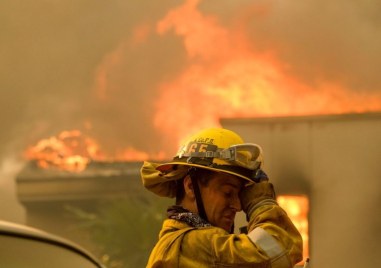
(73, 151)
(69, 150)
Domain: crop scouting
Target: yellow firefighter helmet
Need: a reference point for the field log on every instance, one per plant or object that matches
(220, 150)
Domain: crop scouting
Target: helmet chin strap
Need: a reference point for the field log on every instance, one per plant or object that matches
(197, 193)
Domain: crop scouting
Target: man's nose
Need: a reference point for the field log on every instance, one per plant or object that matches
(236, 204)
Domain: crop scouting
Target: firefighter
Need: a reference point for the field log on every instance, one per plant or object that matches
(213, 176)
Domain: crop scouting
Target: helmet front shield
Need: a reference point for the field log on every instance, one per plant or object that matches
(246, 155)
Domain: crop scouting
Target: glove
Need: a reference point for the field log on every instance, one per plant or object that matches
(256, 194)
(260, 175)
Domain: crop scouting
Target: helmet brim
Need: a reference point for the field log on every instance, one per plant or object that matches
(170, 166)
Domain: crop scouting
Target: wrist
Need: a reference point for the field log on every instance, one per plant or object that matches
(264, 202)
(253, 194)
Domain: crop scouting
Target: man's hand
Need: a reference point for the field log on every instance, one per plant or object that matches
(260, 176)
(253, 194)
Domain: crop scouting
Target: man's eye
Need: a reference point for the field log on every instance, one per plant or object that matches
(228, 194)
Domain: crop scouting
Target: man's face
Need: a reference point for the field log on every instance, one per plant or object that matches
(221, 199)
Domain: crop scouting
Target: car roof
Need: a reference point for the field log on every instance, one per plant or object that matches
(27, 232)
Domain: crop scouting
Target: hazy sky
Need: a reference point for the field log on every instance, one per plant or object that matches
(101, 66)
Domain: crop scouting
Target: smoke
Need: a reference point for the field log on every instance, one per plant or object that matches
(99, 66)
(331, 40)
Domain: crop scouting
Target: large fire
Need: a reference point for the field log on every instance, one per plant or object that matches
(226, 77)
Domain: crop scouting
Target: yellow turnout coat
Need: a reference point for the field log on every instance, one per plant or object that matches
(272, 242)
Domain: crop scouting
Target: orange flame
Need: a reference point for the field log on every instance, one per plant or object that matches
(70, 150)
(132, 154)
(297, 209)
(225, 77)
(73, 151)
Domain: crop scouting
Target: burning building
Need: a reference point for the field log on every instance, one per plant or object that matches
(334, 162)
(325, 169)
(155, 76)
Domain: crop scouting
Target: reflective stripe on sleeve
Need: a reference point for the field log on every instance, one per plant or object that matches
(271, 247)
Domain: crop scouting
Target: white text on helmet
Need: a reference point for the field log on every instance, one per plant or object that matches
(204, 140)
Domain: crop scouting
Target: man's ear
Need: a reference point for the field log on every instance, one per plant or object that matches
(188, 187)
